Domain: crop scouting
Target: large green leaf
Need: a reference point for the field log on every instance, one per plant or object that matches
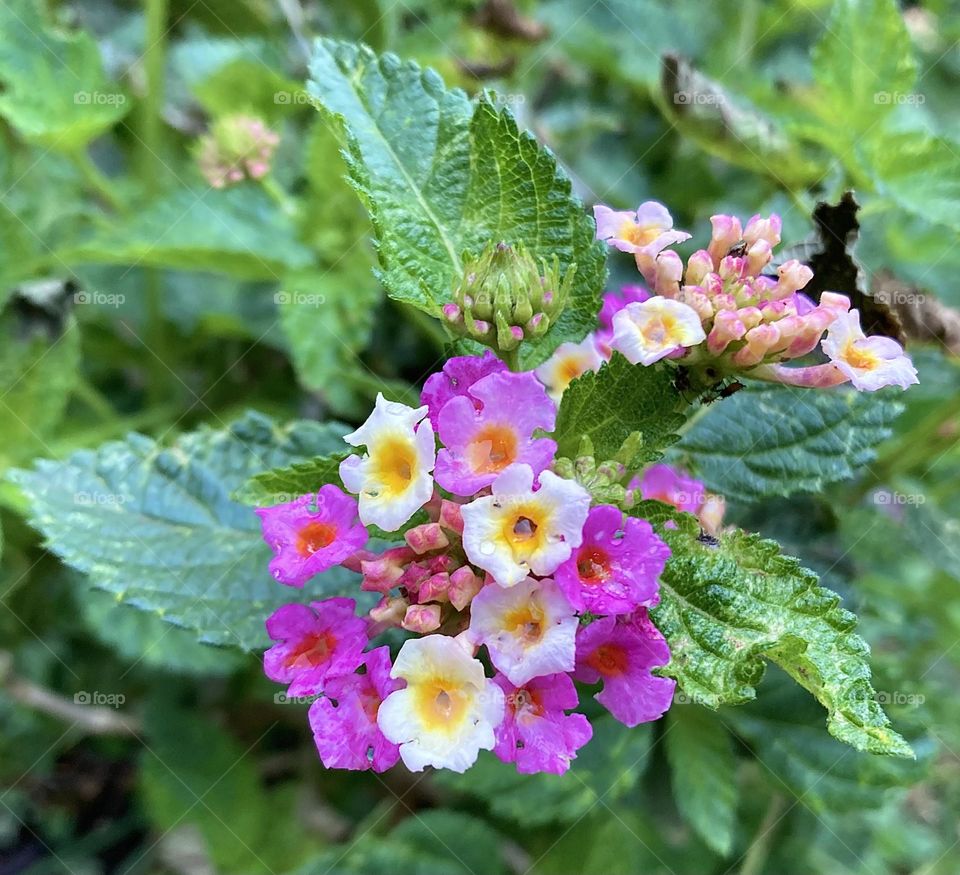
(54, 89)
(619, 399)
(729, 604)
(703, 772)
(442, 176)
(238, 231)
(157, 527)
(280, 485)
(607, 768)
(776, 440)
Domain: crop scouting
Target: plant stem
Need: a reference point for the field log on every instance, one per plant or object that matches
(96, 181)
(756, 856)
(155, 56)
(512, 359)
(282, 199)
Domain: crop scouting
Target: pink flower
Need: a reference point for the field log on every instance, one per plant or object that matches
(492, 427)
(672, 486)
(644, 232)
(870, 363)
(456, 378)
(621, 653)
(314, 644)
(615, 569)
(308, 541)
(535, 733)
(344, 722)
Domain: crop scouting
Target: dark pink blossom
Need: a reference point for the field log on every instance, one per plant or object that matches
(314, 643)
(456, 378)
(344, 722)
(536, 733)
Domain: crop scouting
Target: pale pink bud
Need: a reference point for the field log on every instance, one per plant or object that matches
(794, 275)
(434, 588)
(727, 327)
(451, 312)
(464, 585)
(422, 618)
(759, 341)
(767, 230)
(389, 611)
(726, 234)
(669, 270)
(698, 266)
(450, 516)
(429, 536)
(517, 332)
(697, 301)
(758, 257)
(379, 575)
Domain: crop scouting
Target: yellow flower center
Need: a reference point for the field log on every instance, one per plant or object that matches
(395, 465)
(524, 531)
(441, 705)
(492, 450)
(859, 358)
(639, 235)
(526, 622)
(662, 330)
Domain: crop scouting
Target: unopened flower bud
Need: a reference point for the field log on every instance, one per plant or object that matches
(424, 538)
(464, 585)
(422, 618)
(235, 148)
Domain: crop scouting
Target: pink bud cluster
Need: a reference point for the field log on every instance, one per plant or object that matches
(237, 147)
(729, 308)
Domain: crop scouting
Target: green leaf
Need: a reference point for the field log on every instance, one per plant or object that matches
(863, 61)
(54, 90)
(783, 729)
(442, 176)
(728, 604)
(608, 767)
(703, 772)
(327, 316)
(776, 440)
(281, 485)
(466, 844)
(611, 404)
(37, 374)
(157, 528)
(192, 773)
(144, 639)
(238, 231)
(920, 173)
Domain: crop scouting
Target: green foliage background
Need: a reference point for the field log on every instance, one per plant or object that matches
(144, 315)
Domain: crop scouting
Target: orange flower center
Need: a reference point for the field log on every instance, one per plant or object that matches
(493, 449)
(311, 651)
(315, 536)
(608, 659)
(593, 565)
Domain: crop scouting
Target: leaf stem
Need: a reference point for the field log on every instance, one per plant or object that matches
(756, 856)
(96, 180)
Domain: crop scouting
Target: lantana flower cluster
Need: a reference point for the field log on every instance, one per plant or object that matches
(728, 309)
(511, 582)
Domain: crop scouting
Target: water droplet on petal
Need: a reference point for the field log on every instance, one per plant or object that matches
(487, 548)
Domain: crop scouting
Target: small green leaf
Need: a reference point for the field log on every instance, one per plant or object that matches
(156, 526)
(281, 485)
(54, 90)
(611, 404)
(703, 772)
(442, 176)
(237, 231)
(729, 603)
(776, 440)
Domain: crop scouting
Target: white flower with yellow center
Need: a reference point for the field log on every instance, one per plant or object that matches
(569, 361)
(392, 479)
(647, 331)
(448, 711)
(529, 629)
(520, 530)
(870, 363)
